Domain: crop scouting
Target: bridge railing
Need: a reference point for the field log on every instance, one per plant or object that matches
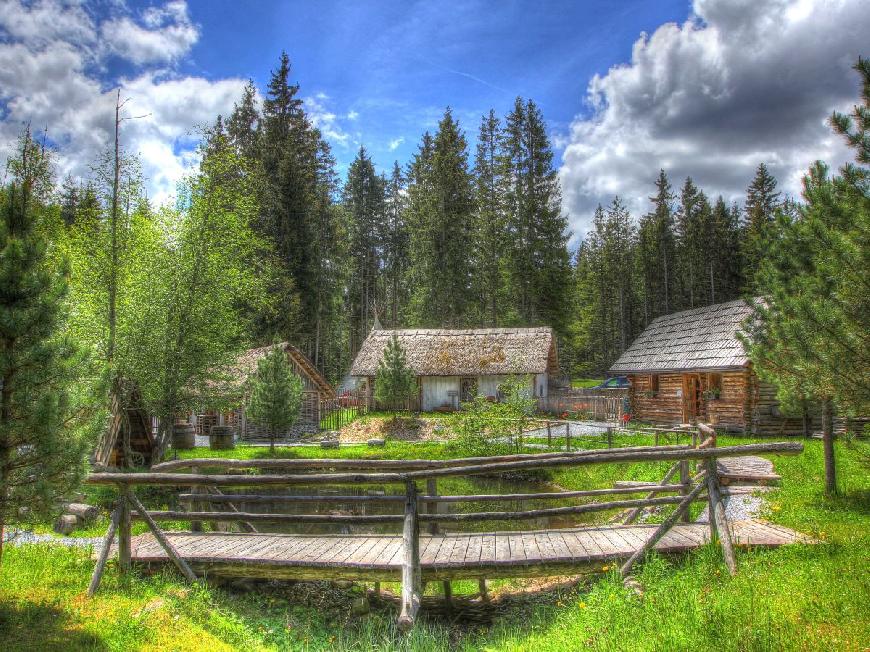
(206, 498)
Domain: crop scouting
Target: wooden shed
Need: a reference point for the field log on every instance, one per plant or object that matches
(690, 366)
(454, 366)
(133, 421)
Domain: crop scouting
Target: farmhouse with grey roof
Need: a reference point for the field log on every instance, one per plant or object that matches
(456, 365)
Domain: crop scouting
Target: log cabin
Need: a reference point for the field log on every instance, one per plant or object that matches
(691, 366)
(454, 366)
(315, 388)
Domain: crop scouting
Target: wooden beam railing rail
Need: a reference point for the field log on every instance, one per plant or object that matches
(417, 508)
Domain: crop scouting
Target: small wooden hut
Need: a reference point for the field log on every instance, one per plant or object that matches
(690, 366)
(315, 389)
(138, 423)
(454, 366)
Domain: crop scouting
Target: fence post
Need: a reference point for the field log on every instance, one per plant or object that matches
(549, 435)
(568, 437)
(195, 526)
(124, 543)
(432, 507)
(684, 480)
(718, 518)
(609, 437)
(411, 577)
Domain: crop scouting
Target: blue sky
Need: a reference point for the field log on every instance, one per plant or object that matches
(394, 66)
(707, 88)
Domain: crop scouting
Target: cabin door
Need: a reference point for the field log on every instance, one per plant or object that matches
(467, 389)
(691, 397)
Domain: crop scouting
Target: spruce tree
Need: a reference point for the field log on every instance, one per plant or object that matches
(490, 232)
(657, 253)
(441, 228)
(539, 261)
(242, 126)
(395, 383)
(396, 245)
(692, 230)
(722, 255)
(364, 202)
(275, 394)
(760, 209)
(41, 456)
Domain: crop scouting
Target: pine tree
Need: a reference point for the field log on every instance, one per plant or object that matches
(539, 261)
(657, 253)
(692, 230)
(298, 215)
(395, 383)
(441, 227)
(364, 202)
(41, 456)
(396, 245)
(723, 270)
(243, 124)
(490, 239)
(811, 335)
(762, 203)
(275, 395)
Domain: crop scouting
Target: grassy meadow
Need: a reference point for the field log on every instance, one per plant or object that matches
(801, 597)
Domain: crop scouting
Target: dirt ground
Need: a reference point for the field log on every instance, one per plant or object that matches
(401, 429)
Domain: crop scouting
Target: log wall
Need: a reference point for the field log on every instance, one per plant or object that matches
(666, 407)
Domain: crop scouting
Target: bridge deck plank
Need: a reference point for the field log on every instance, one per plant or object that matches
(498, 554)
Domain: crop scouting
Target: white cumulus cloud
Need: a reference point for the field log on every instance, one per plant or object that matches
(739, 83)
(52, 76)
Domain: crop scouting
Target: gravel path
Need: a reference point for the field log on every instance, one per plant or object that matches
(20, 537)
(747, 503)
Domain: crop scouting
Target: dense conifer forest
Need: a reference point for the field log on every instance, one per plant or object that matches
(454, 238)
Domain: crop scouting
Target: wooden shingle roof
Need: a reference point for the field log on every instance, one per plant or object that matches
(471, 352)
(702, 338)
(246, 365)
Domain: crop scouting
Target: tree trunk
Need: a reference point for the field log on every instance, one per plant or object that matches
(805, 414)
(4, 481)
(828, 445)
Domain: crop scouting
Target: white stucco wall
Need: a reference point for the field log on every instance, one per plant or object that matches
(435, 390)
(488, 385)
(541, 385)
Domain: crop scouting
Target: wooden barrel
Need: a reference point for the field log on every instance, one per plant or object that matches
(222, 437)
(183, 436)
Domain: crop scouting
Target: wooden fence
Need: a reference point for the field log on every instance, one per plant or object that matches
(418, 508)
(594, 407)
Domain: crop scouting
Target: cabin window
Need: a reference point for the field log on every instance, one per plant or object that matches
(714, 386)
(652, 386)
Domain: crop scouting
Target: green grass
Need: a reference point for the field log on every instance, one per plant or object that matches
(793, 598)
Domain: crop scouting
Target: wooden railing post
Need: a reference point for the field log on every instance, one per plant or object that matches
(662, 529)
(684, 480)
(124, 531)
(432, 507)
(411, 575)
(609, 437)
(568, 437)
(717, 517)
(549, 435)
(196, 526)
(104, 552)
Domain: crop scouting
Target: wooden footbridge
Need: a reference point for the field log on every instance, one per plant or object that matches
(413, 557)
